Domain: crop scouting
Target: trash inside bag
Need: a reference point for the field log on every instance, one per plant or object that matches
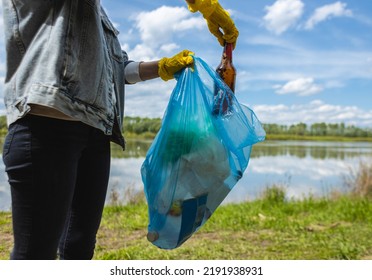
(197, 157)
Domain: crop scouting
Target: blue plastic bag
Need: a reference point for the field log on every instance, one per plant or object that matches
(199, 154)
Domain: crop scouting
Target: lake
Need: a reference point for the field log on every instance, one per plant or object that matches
(302, 167)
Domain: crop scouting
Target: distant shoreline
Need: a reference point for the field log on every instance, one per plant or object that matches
(283, 137)
(277, 137)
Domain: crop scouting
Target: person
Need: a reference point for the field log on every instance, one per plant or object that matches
(64, 98)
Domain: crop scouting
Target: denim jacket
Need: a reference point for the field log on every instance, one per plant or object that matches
(64, 54)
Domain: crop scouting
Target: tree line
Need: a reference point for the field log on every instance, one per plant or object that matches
(150, 126)
(318, 129)
(135, 125)
(139, 125)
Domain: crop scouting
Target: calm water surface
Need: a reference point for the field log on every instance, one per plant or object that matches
(302, 167)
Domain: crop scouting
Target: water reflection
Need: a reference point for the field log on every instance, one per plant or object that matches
(315, 150)
(303, 167)
(133, 149)
(299, 149)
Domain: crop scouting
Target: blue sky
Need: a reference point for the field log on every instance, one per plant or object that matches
(297, 60)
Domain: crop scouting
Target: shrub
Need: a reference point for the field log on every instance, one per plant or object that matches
(360, 180)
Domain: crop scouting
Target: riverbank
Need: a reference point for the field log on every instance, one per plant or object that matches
(276, 137)
(150, 136)
(267, 228)
(285, 137)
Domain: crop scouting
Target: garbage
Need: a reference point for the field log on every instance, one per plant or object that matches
(197, 157)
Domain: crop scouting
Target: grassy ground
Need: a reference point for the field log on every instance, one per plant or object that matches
(269, 228)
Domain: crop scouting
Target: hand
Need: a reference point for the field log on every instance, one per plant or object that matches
(217, 19)
(169, 66)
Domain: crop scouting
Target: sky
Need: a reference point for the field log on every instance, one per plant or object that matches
(297, 60)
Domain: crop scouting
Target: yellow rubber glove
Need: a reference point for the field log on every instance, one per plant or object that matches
(217, 19)
(169, 66)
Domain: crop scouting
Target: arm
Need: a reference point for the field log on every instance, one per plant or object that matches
(149, 70)
(164, 68)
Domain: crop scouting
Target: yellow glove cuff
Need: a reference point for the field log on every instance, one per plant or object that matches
(163, 72)
(206, 7)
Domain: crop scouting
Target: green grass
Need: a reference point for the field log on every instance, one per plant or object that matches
(268, 228)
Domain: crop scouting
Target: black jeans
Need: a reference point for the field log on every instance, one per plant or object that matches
(58, 173)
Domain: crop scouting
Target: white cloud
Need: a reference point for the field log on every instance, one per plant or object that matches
(1, 21)
(159, 26)
(140, 52)
(300, 86)
(270, 41)
(148, 99)
(313, 112)
(276, 59)
(2, 67)
(169, 48)
(158, 29)
(337, 9)
(319, 169)
(282, 15)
